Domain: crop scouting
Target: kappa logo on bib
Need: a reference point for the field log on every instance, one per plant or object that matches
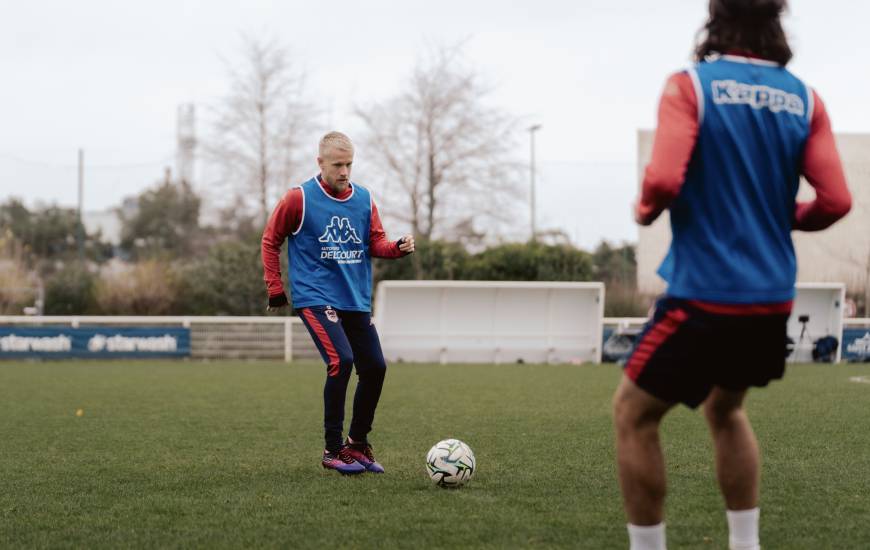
(339, 231)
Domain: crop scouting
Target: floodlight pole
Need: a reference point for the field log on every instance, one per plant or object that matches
(80, 229)
(532, 129)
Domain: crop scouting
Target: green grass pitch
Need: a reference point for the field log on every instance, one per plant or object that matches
(187, 454)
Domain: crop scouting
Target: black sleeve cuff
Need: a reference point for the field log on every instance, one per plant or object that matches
(278, 300)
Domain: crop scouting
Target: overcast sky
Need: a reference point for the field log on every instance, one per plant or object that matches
(107, 76)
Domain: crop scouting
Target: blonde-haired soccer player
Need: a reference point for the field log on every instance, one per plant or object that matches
(333, 230)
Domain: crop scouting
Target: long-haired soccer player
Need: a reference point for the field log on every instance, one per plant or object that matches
(334, 230)
(735, 133)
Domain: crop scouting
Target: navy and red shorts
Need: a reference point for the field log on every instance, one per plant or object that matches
(687, 348)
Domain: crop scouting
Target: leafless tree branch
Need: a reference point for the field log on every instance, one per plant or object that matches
(256, 129)
(450, 153)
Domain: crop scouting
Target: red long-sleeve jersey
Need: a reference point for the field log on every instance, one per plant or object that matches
(286, 219)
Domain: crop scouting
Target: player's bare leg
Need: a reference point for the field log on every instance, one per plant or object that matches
(637, 416)
(737, 458)
(737, 464)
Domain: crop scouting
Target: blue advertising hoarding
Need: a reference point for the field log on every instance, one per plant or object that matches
(856, 344)
(96, 342)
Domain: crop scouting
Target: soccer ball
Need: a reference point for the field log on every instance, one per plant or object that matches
(450, 463)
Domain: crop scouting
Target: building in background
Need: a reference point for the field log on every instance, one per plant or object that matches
(106, 222)
(840, 253)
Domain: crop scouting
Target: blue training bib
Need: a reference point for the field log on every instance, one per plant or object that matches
(732, 220)
(329, 257)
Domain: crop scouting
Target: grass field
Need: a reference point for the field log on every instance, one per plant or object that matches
(178, 454)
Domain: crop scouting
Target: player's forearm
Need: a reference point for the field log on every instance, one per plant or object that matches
(658, 191)
(832, 202)
(817, 215)
(285, 219)
(271, 255)
(384, 248)
(824, 172)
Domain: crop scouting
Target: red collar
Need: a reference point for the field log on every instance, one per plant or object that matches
(341, 196)
(745, 53)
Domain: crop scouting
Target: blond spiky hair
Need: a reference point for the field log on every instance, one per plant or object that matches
(336, 140)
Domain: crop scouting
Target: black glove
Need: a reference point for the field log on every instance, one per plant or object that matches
(278, 300)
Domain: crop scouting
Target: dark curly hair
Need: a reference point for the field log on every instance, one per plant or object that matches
(750, 26)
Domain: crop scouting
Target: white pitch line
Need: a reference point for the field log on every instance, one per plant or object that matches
(860, 379)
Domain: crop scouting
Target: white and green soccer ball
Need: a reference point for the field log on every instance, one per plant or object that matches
(450, 463)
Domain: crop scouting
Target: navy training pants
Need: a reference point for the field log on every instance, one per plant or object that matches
(344, 339)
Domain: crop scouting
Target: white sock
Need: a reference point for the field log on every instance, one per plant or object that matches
(743, 529)
(646, 537)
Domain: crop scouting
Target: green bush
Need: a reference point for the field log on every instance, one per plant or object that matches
(71, 291)
(531, 262)
(164, 224)
(438, 260)
(227, 281)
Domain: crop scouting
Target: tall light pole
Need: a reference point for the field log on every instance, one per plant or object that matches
(80, 228)
(532, 129)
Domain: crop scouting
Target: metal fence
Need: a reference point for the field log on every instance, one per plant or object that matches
(285, 338)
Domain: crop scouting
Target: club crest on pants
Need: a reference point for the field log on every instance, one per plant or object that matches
(331, 314)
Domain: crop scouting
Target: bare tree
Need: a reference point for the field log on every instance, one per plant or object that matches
(445, 157)
(258, 126)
